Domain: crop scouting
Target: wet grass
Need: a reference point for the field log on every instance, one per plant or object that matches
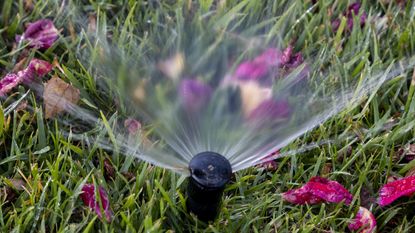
(53, 166)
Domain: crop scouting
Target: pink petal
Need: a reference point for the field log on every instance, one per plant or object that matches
(269, 162)
(396, 189)
(40, 67)
(329, 190)
(317, 190)
(260, 66)
(364, 221)
(271, 110)
(9, 82)
(132, 125)
(194, 94)
(88, 197)
(352, 9)
(301, 196)
(251, 71)
(40, 34)
(270, 57)
(35, 68)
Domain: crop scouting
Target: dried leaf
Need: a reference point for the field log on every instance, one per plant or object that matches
(128, 175)
(59, 96)
(109, 170)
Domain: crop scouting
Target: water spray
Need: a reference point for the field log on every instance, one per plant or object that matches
(219, 100)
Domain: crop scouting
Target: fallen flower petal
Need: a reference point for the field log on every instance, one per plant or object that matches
(9, 82)
(269, 161)
(364, 222)
(132, 125)
(262, 65)
(270, 110)
(40, 34)
(301, 196)
(318, 190)
(36, 68)
(251, 71)
(40, 67)
(194, 94)
(352, 9)
(396, 189)
(329, 190)
(88, 197)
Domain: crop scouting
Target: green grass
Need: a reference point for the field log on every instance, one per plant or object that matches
(54, 166)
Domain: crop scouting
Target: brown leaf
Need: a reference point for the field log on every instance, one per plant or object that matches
(20, 65)
(128, 175)
(58, 96)
(109, 170)
(411, 172)
(326, 169)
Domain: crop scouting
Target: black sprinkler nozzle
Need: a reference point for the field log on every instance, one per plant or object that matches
(209, 173)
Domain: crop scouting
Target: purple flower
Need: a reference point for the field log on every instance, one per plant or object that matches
(270, 110)
(9, 82)
(352, 9)
(40, 34)
(88, 197)
(194, 94)
(132, 125)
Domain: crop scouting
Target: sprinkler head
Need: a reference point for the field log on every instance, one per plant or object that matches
(209, 173)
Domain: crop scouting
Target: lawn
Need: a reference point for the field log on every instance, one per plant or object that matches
(48, 158)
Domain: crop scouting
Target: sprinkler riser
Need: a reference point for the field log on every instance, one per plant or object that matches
(209, 174)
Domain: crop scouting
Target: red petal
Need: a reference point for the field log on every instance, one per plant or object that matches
(328, 190)
(364, 221)
(317, 190)
(301, 196)
(396, 189)
(88, 197)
